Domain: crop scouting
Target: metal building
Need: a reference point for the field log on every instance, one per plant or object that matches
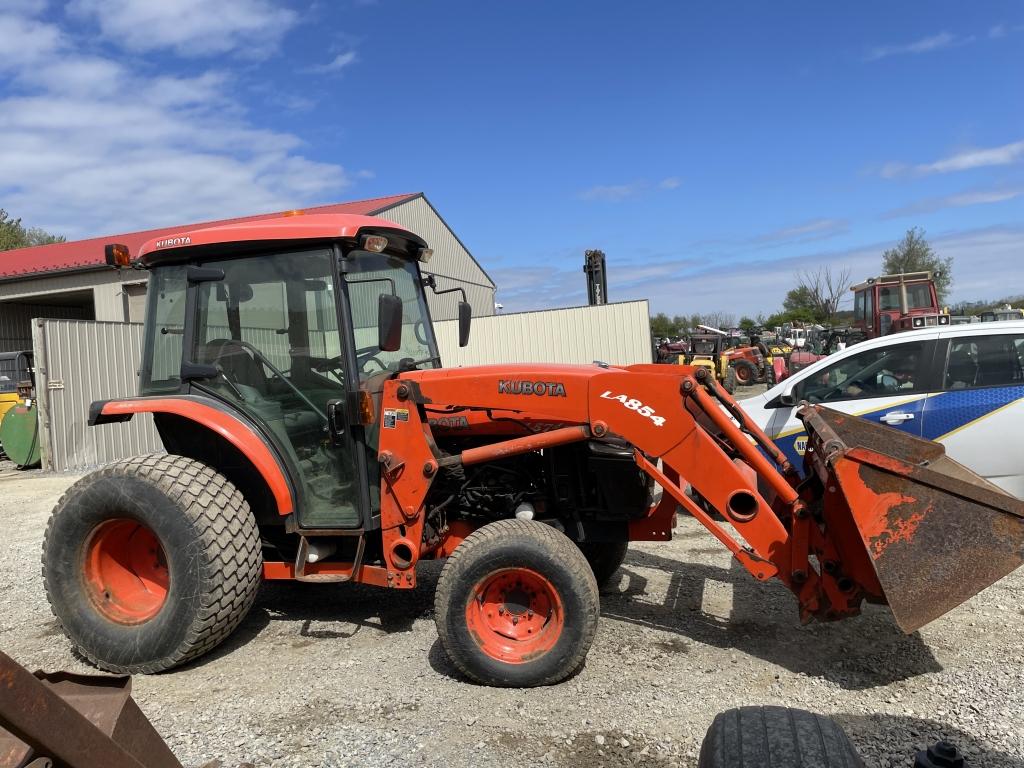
(70, 280)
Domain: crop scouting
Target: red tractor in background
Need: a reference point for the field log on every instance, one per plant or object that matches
(882, 305)
(893, 303)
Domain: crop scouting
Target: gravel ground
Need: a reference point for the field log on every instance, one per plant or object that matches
(339, 675)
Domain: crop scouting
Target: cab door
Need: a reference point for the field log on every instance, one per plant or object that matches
(269, 327)
(887, 383)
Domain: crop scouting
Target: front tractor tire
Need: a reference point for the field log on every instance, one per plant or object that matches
(151, 562)
(516, 605)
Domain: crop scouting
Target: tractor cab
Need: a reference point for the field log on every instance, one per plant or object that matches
(296, 338)
(892, 303)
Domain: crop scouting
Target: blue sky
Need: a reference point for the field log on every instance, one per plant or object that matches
(712, 150)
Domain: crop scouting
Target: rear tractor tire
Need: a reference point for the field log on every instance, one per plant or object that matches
(605, 558)
(516, 605)
(776, 737)
(151, 562)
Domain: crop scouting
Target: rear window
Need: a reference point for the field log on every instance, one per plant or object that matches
(985, 361)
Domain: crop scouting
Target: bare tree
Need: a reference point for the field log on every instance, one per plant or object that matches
(824, 289)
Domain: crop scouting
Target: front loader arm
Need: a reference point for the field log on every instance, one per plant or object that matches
(830, 539)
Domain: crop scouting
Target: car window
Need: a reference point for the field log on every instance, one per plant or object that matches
(882, 372)
(985, 361)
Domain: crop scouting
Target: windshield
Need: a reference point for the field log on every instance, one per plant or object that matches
(919, 296)
(369, 276)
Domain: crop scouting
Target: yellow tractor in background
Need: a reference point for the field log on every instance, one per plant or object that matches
(15, 367)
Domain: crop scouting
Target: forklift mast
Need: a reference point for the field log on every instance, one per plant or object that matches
(597, 281)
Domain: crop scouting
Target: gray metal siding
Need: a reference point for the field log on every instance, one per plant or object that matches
(78, 363)
(619, 334)
(452, 264)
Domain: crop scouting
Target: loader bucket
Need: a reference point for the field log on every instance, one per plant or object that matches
(934, 533)
(77, 721)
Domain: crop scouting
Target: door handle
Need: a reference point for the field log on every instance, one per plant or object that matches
(896, 418)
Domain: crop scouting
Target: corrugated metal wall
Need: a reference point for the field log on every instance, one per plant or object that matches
(77, 363)
(619, 334)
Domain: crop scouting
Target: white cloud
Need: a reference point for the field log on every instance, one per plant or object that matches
(924, 45)
(965, 160)
(338, 63)
(190, 28)
(959, 200)
(976, 158)
(997, 31)
(87, 145)
(815, 229)
(614, 193)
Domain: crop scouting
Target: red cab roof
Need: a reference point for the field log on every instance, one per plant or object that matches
(88, 254)
(317, 226)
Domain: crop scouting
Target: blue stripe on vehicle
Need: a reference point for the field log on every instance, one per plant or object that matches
(949, 411)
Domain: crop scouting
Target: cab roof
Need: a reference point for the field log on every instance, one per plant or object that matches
(323, 226)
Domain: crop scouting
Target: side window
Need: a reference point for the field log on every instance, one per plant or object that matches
(985, 361)
(858, 304)
(884, 372)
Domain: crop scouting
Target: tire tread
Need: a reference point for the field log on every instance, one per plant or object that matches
(229, 542)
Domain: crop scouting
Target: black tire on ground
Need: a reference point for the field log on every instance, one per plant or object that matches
(729, 385)
(776, 737)
(769, 375)
(211, 555)
(605, 558)
(746, 372)
(504, 550)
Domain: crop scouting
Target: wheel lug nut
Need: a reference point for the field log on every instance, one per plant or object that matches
(501, 611)
(515, 620)
(529, 613)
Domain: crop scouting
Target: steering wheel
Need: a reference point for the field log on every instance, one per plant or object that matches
(420, 331)
(363, 356)
(273, 368)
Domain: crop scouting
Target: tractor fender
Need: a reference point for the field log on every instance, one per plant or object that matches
(220, 421)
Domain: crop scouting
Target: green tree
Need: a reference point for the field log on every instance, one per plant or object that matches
(914, 254)
(800, 301)
(747, 323)
(13, 234)
(663, 327)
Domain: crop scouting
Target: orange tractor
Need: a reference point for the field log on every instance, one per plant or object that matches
(291, 369)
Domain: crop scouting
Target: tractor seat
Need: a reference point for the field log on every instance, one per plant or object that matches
(238, 364)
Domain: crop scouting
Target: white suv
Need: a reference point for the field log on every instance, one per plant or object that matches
(961, 385)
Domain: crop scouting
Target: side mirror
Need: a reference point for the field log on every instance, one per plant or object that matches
(788, 396)
(465, 320)
(389, 322)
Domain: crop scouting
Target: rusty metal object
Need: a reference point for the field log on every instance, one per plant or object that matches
(74, 721)
(933, 532)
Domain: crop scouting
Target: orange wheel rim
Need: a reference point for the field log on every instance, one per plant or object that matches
(515, 615)
(743, 374)
(125, 571)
